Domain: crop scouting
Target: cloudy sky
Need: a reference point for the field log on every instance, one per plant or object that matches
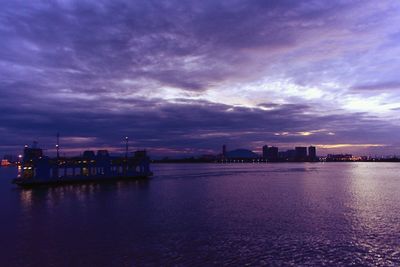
(184, 77)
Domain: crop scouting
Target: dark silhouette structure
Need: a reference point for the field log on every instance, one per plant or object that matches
(270, 153)
(301, 153)
(265, 151)
(273, 153)
(312, 153)
(224, 151)
(339, 157)
(37, 169)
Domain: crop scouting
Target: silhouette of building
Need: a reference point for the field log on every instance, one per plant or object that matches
(224, 151)
(31, 153)
(272, 154)
(301, 153)
(38, 169)
(288, 155)
(88, 154)
(312, 153)
(265, 151)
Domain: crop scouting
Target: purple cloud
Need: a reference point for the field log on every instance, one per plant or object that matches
(191, 75)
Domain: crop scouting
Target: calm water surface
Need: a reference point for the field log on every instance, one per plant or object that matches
(306, 214)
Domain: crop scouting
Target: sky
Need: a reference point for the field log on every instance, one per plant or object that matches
(184, 77)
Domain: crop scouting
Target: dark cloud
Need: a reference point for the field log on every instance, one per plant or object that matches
(184, 44)
(182, 125)
(394, 85)
(105, 69)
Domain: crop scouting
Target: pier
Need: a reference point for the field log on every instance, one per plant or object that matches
(39, 169)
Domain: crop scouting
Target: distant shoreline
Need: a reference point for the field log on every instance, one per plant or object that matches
(275, 162)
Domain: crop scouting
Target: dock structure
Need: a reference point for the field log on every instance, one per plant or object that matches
(39, 169)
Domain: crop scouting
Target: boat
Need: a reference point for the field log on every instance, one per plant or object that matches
(38, 169)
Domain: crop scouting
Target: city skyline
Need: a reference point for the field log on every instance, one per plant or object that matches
(308, 151)
(182, 78)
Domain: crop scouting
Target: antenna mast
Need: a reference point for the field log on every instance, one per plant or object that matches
(126, 147)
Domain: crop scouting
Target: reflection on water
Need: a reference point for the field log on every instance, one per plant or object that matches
(307, 214)
(80, 194)
(373, 212)
(26, 198)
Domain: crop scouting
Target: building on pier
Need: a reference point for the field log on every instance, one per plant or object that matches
(37, 168)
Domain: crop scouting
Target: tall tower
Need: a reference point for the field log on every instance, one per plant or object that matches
(224, 151)
(312, 153)
(126, 146)
(265, 151)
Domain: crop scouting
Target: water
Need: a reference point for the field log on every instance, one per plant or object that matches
(306, 214)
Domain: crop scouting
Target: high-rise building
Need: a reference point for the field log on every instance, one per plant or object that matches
(265, 151)
(301, 153)
(272, 153)
(312, 153)
(224, 151)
